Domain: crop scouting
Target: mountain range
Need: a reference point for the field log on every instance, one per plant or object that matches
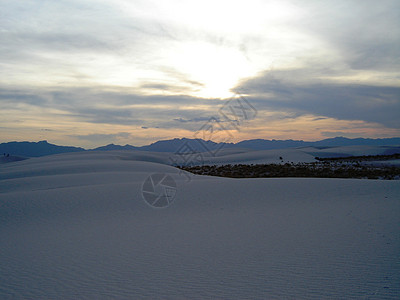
(42, 148)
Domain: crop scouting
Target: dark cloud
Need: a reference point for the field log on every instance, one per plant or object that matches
(157, 86)
(194, 120)
(15, 96)
(190, 86)
(282, 91)
(105, 107)
(105, 116)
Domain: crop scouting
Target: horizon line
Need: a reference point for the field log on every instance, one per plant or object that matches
(183, 138)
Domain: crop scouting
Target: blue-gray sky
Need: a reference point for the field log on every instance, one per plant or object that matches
(92, 72)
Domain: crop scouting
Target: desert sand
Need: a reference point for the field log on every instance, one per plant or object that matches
(77, 226)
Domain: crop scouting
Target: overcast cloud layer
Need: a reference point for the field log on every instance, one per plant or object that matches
(92, 72)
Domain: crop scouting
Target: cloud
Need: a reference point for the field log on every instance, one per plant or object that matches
(195, 120)
(365, 35)
(302, 91)
(96, 137)
(98, 67)
(98, 106)
(164, 88)
(332, 134)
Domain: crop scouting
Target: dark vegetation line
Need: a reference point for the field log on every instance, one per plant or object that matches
(345, 167)
(361, 158)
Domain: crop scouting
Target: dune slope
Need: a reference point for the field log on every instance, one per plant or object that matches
(75, 226)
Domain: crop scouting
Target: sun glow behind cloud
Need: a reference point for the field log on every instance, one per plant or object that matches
(207, 42)
(219, 68)
(212, 43)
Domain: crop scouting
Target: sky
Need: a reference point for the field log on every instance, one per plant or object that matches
(93, 72)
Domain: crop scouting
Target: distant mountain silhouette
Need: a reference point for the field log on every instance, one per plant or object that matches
(182, 145)
(260, 144)
(199, 145)
(32, 149)
(115, 147)
(342, 141)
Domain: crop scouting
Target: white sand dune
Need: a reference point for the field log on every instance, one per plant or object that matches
(276, 156)
(351, 151)
(242, 156)
(75, 226)
(226, 151)
(261, 157)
